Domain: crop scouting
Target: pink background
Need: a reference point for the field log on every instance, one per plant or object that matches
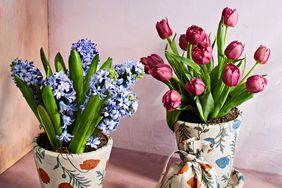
(126, 29)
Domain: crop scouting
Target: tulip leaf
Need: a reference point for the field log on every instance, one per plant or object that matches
(47, 126)
(92, 70)
(59, 63)
(27, 93)
(207, 104)
(107, 64)
(45, 63)
(172, 117)
(76, 75)
(200, 109)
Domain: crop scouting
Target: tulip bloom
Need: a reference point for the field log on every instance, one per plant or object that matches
(262, 54)
(196, 86)
(234, 50)
(195, 35)
(163, 29)
(230, 17)
(256, 83)
(150, 62)
(171, 100)
(162, 72)
(202, 53)
(231, 75)
(183, 42)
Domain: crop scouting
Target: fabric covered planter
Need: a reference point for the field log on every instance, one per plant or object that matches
(223, 137)
(59, 170)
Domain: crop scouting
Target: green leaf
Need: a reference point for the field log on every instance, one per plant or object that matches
(207, 104)
(27, 93)
(47, 125)
(59, 63)
(92, 70)
(200, 109)
(172, 117)
(45, 63)
(107, 64)
(76, 75)
(52, 109)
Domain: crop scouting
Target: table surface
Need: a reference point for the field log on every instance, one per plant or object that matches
(127, 169)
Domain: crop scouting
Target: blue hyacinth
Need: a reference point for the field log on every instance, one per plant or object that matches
(87, 50)
(63, 91)
(93, 142)
(27, 72)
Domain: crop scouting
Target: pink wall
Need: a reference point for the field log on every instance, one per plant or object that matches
(23, 30)
(126, 29)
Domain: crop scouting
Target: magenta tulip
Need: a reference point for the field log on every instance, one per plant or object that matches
(171, 100)
(196, 86)
(262, 54)
(162, 72)
(231, 75)
(256, 83)
(202, 53)
(183, 42)
(234, 50)
(195, 35)
(163, 29)
(150, 62)
(230, 17)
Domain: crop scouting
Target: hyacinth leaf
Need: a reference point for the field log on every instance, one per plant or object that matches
(59, 63)
(45, 63)
(172, 117)
(82, 124)
(27, 93)
(235, 102)
(92, 70)
(107, 64)
(207, 104)
(76, 75)
(52, 109)
(47, 125)
(200, 109)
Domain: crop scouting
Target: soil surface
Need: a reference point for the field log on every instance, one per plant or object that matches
(233, 114)
(43, 142)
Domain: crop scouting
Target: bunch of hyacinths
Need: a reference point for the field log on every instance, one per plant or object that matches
(76, 105)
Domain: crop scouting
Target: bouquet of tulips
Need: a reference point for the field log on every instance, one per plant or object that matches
(198, 86)
(74, 106)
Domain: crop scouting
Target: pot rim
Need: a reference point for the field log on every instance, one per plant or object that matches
(74, 155)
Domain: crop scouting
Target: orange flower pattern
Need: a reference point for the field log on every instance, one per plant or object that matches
(65, 185)
(43, 176)
(183, 169)
(194, 183)
(89, 164)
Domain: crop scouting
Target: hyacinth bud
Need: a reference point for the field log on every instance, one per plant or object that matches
(234, 50)
(171, 100)
(202, 53)
(231, 75)
(150, 62)
(230, 17)
(262, 54)
(256, 83)
(195, 35)
(162, 72)
(163, 29)
(196, 86)
(183, 42)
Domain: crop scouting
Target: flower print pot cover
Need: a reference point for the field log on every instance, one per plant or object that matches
(223, 137)
(57, 170)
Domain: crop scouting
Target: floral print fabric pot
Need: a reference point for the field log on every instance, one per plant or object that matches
(59, 170)
(223, 137)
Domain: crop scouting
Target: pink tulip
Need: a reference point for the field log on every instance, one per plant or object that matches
(234, 50)
(183, 42)
(231, 75)
(162, 72)
(171, 100)
(262, 54)
(195, 35)
(150, 62)
(163, 29)
(196, 86)
(256, 84)
(230, 17)
(202, 53)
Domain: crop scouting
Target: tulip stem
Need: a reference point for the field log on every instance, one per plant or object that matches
(225, 35)
(248, 74)
(221, 102)
(189, 51)
(172, 46)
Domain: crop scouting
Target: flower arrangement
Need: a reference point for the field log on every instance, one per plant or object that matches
(199, 86)
(74, 106)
